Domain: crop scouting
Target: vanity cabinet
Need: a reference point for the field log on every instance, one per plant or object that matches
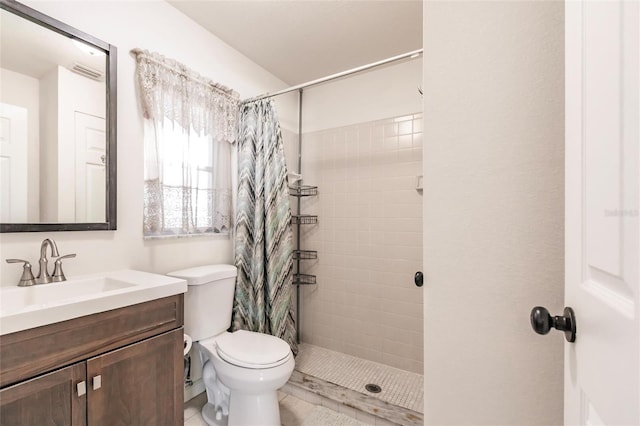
(47, 399)
(123, 366)
(139, 383)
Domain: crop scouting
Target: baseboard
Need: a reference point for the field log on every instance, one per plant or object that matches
(194, 390)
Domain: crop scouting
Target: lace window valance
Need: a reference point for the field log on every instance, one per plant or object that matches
(171, 90)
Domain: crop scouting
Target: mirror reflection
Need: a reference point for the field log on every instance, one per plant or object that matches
(53, 126)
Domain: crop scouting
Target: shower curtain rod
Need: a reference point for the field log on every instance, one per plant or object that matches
(411, 54)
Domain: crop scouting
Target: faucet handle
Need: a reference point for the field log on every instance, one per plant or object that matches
(27, 278)
(58, 275)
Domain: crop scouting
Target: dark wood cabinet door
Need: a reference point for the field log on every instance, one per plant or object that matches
(50, 399)
(140, 384)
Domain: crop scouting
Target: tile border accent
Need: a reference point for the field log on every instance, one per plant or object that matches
(350, 402)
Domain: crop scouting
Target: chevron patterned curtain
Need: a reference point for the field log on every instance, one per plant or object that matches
(264, 240)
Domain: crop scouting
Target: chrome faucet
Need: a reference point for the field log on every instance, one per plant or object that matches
(43, 276)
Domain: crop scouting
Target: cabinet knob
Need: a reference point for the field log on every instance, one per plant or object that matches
(97, 382)
(82, 388)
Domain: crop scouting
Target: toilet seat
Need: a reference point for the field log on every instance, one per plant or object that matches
(252, 350)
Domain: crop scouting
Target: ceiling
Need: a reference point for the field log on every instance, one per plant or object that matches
(302, 40)
(48, 49)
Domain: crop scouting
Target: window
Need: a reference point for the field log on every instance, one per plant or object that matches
(194, 183)
(190, 126)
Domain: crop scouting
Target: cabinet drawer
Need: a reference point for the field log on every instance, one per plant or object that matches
(35, 351)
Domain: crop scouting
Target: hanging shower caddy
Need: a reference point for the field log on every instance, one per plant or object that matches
(298, 220)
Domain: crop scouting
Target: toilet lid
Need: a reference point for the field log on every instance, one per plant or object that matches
(252, 350)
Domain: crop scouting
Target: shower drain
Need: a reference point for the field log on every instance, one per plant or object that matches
(373, 388)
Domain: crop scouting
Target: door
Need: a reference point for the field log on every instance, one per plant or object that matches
(141, 384)
(602, 232)
(49, 399)
(13, 164)
(90, 143)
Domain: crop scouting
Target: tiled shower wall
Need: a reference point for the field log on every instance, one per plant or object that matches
(368, 238)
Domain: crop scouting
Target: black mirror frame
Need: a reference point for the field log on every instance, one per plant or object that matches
(111, 130)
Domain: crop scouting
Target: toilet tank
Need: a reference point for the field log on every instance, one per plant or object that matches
(208, 301)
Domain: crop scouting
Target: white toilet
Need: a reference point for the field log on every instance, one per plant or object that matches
(241, 370)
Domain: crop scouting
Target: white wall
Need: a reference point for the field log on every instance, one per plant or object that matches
(23, 90)
(384, 92)
(287, 108)
(493, 211)
(156, 26)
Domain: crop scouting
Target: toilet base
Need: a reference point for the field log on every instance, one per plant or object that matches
(209, 416)
(246, 410)
(251, 409)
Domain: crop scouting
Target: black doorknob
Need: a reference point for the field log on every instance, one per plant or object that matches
(418, 278)
(542, 322)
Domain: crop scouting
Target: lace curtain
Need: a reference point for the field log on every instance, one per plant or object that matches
(190, 125)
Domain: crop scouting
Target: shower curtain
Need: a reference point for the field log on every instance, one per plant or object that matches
(264, 240)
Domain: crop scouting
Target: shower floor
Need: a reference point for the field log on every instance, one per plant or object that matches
(343, 377)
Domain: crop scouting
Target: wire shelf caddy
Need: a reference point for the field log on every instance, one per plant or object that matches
(305, 254)
(304, 279)
(303, 190)
(304, 219)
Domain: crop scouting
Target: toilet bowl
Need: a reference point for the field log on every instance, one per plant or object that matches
(252, 382)
(241, 370)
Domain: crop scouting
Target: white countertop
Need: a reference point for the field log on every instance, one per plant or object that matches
(22, 308)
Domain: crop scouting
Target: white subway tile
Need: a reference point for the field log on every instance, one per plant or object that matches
(405, 141)
(377, 131)
(417, 140)
(417, 124)
(377, 144)
(405, 127)
(390, 145)
(370, 215)
(390, 129)
(406, 154)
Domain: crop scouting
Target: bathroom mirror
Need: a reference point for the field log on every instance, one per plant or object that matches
(57, 125)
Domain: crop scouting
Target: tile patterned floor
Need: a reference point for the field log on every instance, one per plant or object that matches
(333, 380)
(399, 387)
(322, 416)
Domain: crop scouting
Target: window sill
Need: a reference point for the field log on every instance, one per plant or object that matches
(217, 236)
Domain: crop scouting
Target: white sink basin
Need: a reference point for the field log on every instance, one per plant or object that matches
(41, 296)
(22, 308)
